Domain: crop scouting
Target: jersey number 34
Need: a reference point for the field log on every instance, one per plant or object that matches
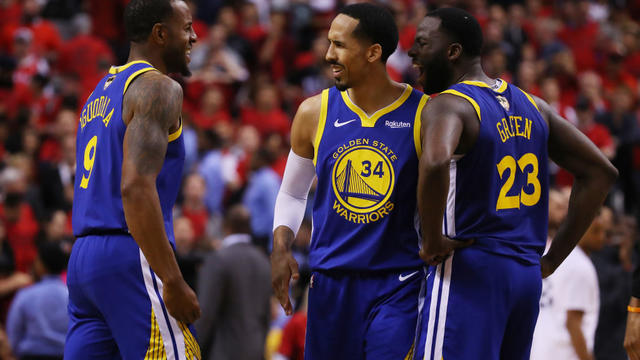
(528, 165)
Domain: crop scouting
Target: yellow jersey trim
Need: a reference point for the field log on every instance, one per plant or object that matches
(370, 121)
(501, 89)
(176, 134)
(417, 124)
(117, 69)
(191, 347)
(133, 76)
(530, 99)
(156, 350)
(469, 99)
(322, 120)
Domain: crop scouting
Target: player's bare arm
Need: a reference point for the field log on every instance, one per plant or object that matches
(449, 127)
(578, 341)
(151, 108)
(283, 265)
(594, 175)
(632, 332)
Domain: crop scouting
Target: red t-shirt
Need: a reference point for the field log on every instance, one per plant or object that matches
(292, 342)
(581, 42)
(21, 236)
(266, 122)
(198, 219)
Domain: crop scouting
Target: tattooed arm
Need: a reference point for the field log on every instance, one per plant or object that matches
(151, 108)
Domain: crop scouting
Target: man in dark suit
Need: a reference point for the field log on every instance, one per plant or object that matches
(234, 289)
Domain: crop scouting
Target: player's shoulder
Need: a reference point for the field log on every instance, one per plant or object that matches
(312, 105)
(310, 109)
(152, 82)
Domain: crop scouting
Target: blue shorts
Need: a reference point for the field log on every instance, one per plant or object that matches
(478, 305)
(362, 317)
(116, 309)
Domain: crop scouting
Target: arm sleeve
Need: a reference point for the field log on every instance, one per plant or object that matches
(292, 197)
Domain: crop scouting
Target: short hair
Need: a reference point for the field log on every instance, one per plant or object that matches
(462, 27)
(238, 220)
(53, 257)
(376, 24)
(141, 15)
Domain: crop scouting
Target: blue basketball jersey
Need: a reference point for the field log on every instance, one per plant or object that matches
(498, 191)
(97, 201)
(367, 167)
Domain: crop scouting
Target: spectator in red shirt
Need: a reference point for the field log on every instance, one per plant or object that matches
(591, 89)
(294, 332)
(550, 92)
(277, 51)
(580, 33)
(266, 116)
(212, 110)
(46, 38)
(596, 132)
(18, 218)
(193, 206)
(85, 56)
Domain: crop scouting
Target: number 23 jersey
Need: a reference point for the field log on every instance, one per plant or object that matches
(97, 201)
(367, 166)
(498, 191)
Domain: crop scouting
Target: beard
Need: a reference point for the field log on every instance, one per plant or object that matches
(341, 86)
(437, 75)
(176, 61)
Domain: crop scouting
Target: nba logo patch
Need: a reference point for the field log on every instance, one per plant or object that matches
(108, 82)
(311, 282)
(503, 101)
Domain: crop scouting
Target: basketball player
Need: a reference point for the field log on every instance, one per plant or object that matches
(361, 139)
(127, 297)
(483, 178)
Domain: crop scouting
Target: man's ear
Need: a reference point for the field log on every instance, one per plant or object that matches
(159, 33)
(374, 53)
(454, 52)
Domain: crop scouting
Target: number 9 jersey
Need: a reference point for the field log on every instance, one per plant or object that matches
(498, 191)
(97, 201)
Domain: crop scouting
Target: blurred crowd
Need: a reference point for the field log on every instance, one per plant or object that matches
(253, 64)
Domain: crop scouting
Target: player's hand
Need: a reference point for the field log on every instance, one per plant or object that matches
(435, 253)
(632, 336)
(181, 301)
(547, 266)
(283, 268)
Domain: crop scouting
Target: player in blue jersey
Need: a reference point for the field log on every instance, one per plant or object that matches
(484, 179)
(361, 140)
(127, 297)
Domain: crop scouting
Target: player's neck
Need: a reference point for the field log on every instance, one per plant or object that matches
(471, 71)
(142, 52)
(375, 93)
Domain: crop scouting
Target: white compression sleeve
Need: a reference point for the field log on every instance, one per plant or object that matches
(292, 197)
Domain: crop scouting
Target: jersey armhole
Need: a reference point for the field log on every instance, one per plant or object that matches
(530, 99)
(417, 125)
(321, 123)
(466, 97)
(134, 76)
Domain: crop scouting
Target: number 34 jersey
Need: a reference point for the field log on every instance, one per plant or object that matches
(367, 166)
(97, 201)
(498, 191)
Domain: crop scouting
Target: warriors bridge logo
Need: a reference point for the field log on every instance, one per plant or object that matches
(363, 180)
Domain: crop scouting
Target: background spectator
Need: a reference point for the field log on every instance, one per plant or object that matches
(37, 320)
(253, 64)
(237, 294)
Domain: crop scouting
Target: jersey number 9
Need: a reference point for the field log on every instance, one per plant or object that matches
(89, 159)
